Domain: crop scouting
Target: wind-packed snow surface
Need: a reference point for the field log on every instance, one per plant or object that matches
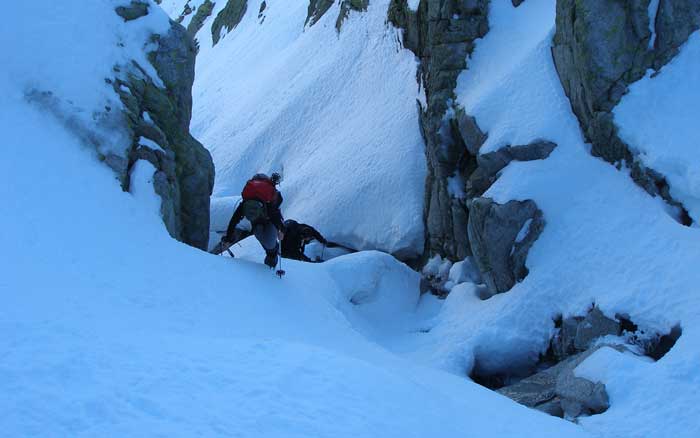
(111, 328)
(605, 240)
(658, 118)
(335, 112)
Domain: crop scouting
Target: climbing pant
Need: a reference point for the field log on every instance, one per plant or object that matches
(267, 236)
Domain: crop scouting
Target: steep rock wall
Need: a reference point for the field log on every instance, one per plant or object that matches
(157, 112)
(441, 34)
(600, 48)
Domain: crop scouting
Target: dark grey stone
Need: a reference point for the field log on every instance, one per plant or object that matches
(471, 135)
(594, 326)
(490, 164)
(559, 392)
(494, 231)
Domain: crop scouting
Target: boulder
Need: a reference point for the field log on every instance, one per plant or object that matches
(578, 333)
(557, 391)
(580, 396)
(595, 325)
(500, 236)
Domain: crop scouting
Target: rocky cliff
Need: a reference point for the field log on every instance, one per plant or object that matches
(157, 113)
(600, 48)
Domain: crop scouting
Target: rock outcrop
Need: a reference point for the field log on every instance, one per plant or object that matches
(491, 163)
(203, 12)
(157, 114)
(557, 391)
(318, 8)
(554, 388)
(500, 236)
(577, 333)
(349, 5)
(228, 18)
(441, 33)
(602, 46)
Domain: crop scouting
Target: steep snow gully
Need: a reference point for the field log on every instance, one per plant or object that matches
(113, 328)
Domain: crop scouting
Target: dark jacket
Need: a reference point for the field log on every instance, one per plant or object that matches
(295, 239)
(273, 213)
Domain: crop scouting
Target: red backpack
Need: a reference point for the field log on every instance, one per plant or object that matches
(259, 190)
(258, 194)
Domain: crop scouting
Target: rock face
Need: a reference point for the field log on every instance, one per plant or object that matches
(349, 5)
(203, 12)
(491, 163)
(157, 121)
(228, 18)
(557, 391)
(602, 46)
(501, 236)
(577, 333)
(318, 8)
(441, 33)
(554, 388)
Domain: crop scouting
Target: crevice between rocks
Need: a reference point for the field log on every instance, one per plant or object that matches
(549, 384)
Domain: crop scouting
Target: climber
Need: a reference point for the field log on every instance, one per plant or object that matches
(296, 237)
(261, 206)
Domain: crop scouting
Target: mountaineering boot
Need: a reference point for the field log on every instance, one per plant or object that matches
(271, 258)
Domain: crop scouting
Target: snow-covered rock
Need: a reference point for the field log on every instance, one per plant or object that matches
(601, 47)
(442, 35)
(137, 86)
(500, 236)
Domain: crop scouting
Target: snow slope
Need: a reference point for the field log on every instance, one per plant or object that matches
(605, 240)
(336, 112)
(659, 119)
(111, 328)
